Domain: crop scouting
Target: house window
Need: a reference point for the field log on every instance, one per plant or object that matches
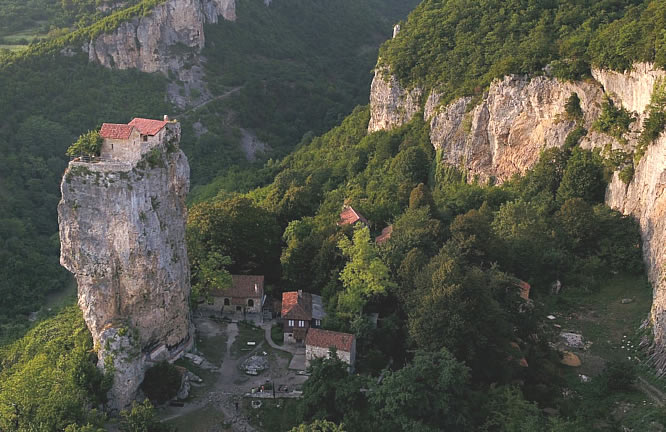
(250, 303)
(317, 323)
(301, 323)
(227, 302)
(291, 323)
(145, 138)
(111, 146)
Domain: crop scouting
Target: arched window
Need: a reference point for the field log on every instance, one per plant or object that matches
(226, 302)
(250, 303)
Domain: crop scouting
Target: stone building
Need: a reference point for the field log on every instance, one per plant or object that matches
(128, 142)
(300, 311)
(318, 343)
(246, 295)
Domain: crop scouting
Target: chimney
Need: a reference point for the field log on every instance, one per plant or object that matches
(166, 117)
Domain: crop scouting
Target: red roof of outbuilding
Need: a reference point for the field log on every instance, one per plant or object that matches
(115, 131)
(148, 126)
(326, 339)
(297, 305)
(349, 216)
(385, 235)
(524, 290)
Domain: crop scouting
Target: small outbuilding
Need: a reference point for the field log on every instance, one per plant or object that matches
(385, 235)
(318, 344)
(349, 216)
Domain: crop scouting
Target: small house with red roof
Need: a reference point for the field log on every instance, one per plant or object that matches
(300, 311)
(318, 344)
(245, 295)
(128, 142)
(385, 235)
(349, 216)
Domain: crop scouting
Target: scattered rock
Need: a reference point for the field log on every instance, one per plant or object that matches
(574, 340)
(584, 378)
(621, 410)
(555, 287)
(627, 300)
(254, 365)
(570, 359)
(551, 317)
(194, 358)
(193, 377)
(655, 427)
(184, 390)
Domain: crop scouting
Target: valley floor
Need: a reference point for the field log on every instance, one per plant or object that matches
(221, 402)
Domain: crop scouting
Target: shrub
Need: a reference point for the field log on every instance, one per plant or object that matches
(574, 137)
(627, 174)
(572, 107)
(89, 144)
(619, 375)
(613, 121)
(161, 382)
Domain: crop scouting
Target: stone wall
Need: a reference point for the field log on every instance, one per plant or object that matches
(312, 352)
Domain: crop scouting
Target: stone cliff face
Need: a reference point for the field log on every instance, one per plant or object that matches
(168, 40)
(122, 233)
(505, 132)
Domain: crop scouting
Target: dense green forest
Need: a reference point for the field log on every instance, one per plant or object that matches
(458, 347)
(459, 47)
(445, 284)
(310, 64)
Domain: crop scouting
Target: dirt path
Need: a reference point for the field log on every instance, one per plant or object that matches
(203, 104)
(269, 339)
(656, 395)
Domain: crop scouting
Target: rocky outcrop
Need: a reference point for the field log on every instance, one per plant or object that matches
(122, 235)
(632, 88)
(168, 40)
(518, 117)
(391, 105)
(505, 133)
(645, 199)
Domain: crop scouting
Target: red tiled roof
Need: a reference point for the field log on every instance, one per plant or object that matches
(385, 235)
(115, 131)
(349, 216)
(297, 305)
(326, 339)
(524, 290)
(242, 287)
(148, 126)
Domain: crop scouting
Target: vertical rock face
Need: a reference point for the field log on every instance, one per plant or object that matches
(122, 234)
(519, 117)
(391, 105)
(168, 40)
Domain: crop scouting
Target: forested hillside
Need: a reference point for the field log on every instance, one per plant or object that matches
(446, 284)
(294, 79)
(460, 47)
(439, 310)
